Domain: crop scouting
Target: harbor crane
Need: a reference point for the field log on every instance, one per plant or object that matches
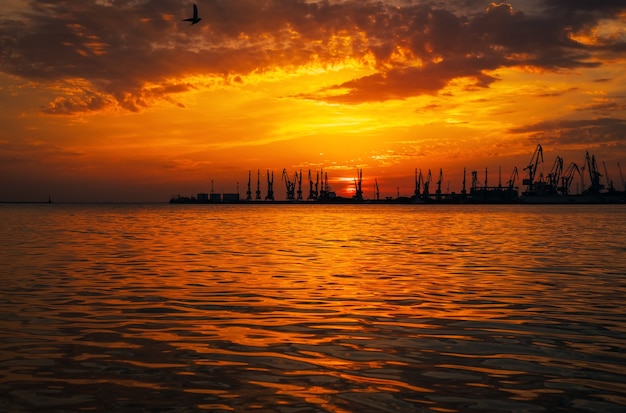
(429, 178)
(514, 176)
(376, 187)
(317, 184)
(258, 184)
(290, 186)
(568, 177)
(270, 186)
(299, 180)
(438, 191)
(249, 191)
(463, 190)
(621, 175)
(312, 193)
(592, 167)
(324, 185)
(486, 177)
(418, 183)
(532, 169)
(358, 185)
(555, 175)
(609, 182)
(582, 177)
(474, 181)
(325, 191)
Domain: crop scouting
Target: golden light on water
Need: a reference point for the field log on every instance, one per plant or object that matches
(330, 307)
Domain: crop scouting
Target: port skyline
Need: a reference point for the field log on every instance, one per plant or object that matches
(563, 181)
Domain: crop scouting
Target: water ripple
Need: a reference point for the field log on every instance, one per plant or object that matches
(312, 309)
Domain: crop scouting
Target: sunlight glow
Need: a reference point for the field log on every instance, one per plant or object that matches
(384, 86)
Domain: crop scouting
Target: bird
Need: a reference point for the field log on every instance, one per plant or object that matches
(195, 19)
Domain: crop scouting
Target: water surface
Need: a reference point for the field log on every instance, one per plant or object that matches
(312, 308)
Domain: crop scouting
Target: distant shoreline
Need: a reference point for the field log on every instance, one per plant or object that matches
(603, 199)
(26, 202)
(618, 198)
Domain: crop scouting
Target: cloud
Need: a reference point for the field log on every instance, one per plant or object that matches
(87, 101)
(604, 107)
(599, 7)
(130, 54)
(605, 130)
(404, 82)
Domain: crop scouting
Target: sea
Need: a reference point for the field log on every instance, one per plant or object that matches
(312, 308)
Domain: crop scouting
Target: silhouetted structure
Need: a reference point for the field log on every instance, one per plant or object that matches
(555, 187)
(270, 187)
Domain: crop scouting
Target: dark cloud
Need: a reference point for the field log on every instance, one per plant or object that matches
(582, 131)
(604, 107)
(400, 83)
(451, 47)
(128, 53)
(601, 7)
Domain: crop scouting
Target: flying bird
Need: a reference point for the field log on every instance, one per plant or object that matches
(195, 19)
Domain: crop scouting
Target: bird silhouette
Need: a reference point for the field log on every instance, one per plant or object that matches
(195, 19)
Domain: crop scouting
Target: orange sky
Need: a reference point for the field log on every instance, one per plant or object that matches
(110, 100)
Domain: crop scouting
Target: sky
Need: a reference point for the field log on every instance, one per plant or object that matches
(122, 101)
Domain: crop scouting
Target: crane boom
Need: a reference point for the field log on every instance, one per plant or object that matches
(514, 176)
(463, 190)
(438, 192)
(532, 169)
(555, 174)
(429, 178)
(249, 191)
(592, 167)
(299, 180)
(568, 178)
(289, 186)
(270, 186)
(377, 191)
(419, 183)
(609, 182)
(474, 181)
(312, 194)
(258, 184)
(358, 185)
